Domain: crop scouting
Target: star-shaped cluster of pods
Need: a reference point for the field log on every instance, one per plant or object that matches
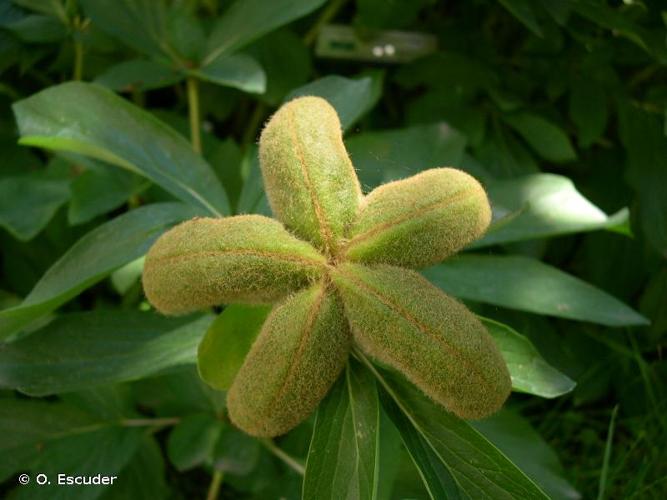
(339, 267)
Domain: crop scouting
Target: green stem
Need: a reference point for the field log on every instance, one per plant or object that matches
(253, 124)
(78, 60)
(214, 487)
(146, 422)
(327, 15)
(289, 460)
(193, 108)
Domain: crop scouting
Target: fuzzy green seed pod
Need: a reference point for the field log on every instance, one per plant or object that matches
(296, 358)
(400, 319)
(419, 221)
(206, 262)
(309, 180)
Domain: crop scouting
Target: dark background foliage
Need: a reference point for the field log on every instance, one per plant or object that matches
(515, 89)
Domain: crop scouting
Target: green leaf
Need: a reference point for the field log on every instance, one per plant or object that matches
(143, 478)
(28, 203)
(541, 205)
(101, 190)
(588, 110)
(138, 74)
(530, 285)
(253, 198)
(620, 23)
(84, 350)
(124, 277)
(394, 154)
(380, 14)
(272, 51)
(185, 32)
(352, 98)
(343, 456)
(642, 136)
(235, 452)
(47, 7)
(92, 258)
(192, 442)
(478, 468)
(105, 451)
(140, 24)
(523, 11)
(38, 29)
(226, 343)
(247, 20)
(90, 120)
(179, 392)
(546, 138)
(529, 371)
(516, 438)
(239, 71)
(437, 478)
(24, 424)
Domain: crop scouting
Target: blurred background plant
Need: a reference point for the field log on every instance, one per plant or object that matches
(558, 107)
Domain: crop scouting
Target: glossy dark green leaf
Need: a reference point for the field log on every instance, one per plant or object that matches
(179, 392)
(379, 14)
(344, 451)
(192, 441)
(253, 199)
(530, 285)
(529, 371)
(49, 8)
(352, 98)
(524, 12)
(104, 451)
(24, 424)
(226, 343)
(271, 51)
(394, 154)
(246, 20)
(143, 478)
(28, 203)
(516, 438)
(235, 452)
(646, 145)
(540, 206)
(90, 120)
(138, 74)
(617, 20)
(504, 155)
(478, 469)
(93, 257)
(588, 110)
(237, 70)
(101, 190)
(436, 476)
(185, 32)
(84, 350)
(546, 138)
(36, 28)
(140, 24)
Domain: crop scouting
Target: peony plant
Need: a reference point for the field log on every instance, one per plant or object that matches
(339, 267)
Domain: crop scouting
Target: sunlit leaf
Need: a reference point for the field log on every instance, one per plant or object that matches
(530, 285)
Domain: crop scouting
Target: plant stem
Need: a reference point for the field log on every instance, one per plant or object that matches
(327, 15)
(193, 108)
(78, 60)
(145, 422)
(214, 486)
(292, 462)
(253, 124)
